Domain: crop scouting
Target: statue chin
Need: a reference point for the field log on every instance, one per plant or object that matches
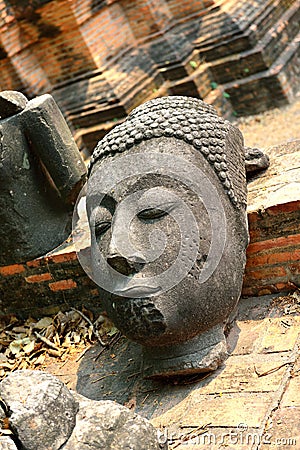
(170, 223)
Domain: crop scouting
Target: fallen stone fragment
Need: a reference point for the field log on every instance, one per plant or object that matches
(42, 409)
(44, 415)
(109, 425)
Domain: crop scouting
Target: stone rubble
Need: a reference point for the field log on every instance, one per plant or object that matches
(44, 415)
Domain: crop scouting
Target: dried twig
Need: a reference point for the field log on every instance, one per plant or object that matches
(82, 354)
(46, 341)
(94, 329)
(192, 434)
(268, 372)
(104, 376)
(114, 340)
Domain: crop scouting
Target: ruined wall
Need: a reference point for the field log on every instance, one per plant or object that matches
(100, 58)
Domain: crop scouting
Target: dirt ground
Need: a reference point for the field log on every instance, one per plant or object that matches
(272, 127)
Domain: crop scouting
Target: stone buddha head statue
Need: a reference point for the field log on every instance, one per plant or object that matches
(166, 202)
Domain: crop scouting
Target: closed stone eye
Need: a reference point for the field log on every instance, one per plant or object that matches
(151, 213)
(101, 228)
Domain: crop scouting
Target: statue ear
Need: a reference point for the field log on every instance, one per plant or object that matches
(51, 140)
(255, 161)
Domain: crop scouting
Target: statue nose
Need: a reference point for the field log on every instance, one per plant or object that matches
(125, 266)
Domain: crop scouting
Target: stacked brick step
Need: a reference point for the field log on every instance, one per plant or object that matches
(100, 59)
(239, 28)
(263, 55)
(274, 87)
(256, 79)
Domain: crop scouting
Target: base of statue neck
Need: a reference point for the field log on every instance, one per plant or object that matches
(203, 353)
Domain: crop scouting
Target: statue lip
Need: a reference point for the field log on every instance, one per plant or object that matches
(138, 290)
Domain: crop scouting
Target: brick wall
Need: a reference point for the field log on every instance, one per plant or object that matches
(146, 18)
(273, 256)
(63, 46)
(185, 8)
(57, 281)
(106, 33)
(46, 285)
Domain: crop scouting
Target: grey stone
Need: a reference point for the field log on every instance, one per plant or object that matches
(42, 409)
(167, 213)
(255, 161)
(108, 425)
(11, 103)
(41, 174)
(6, 443)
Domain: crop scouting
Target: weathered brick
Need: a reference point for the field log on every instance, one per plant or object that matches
(12, 269)
(62, 257)
(284, 241)
(272, 258)
(39, 277)
(63, 285)
(266, 273)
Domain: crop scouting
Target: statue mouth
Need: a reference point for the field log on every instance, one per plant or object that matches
(138, 291)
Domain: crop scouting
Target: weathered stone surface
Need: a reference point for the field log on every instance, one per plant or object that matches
(281, 335)
(6, 443)
(45, 415)
(255, 160)
(280, 184)
(177, 172)
(108, 425)
(41, 174)
(11, 103)
(222, 410)
(42, 409)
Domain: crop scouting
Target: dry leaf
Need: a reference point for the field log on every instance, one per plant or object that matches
(29, 348)
(45, 322)
(17, 345)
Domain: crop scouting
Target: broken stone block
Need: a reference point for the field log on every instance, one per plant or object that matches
(41, 174)
(109, 425)
(42, 409)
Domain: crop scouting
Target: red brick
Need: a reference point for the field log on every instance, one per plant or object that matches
(63, 257)
(272, 258)
(39, 278)
(268, 273)
(62, 285)
(284, 241)
(283, 286)
(253, 217)
(12, 270)
(35, 262)
(284, 208)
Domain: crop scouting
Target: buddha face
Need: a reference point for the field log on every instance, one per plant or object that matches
(167, 249)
